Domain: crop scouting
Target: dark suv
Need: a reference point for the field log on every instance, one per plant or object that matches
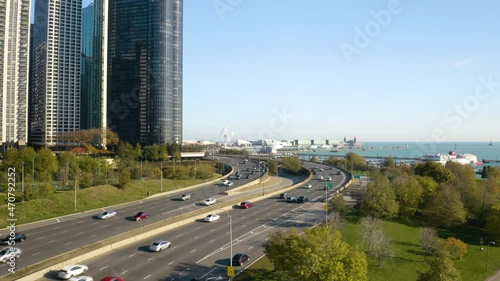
(283, 196)
(302, 199)
(239, 259)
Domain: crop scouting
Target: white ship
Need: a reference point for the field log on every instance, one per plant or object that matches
(464, 159)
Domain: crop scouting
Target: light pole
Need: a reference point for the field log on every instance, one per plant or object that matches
(326, 203)
(488, 252)
(161, 176)
(76, 186)
(230, 237)
(22, 184)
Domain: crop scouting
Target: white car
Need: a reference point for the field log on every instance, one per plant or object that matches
(209, 201)
(329, 178)
(10, 252)
(81, 278)
(320, 177)
(211, 218)
(107, 215)
(185, 197)
(308, 186)
(224, 182)
(72, 270)
(230, 183)
(158, 246)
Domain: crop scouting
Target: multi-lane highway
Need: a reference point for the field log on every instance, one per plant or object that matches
(202, 249)
(58, 236)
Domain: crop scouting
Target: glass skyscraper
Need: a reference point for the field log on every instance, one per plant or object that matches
(14, 64)
(87, 100)
(144, 97)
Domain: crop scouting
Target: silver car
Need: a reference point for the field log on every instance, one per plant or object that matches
(81, 278)
(107, 215)
(10, 252)
(185, 197)
(209, 201)
(158, 246)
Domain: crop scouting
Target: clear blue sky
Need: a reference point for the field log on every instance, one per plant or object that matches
(281, 69)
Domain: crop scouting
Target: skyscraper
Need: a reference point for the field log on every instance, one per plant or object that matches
(144, 103)
(14, 64)
(55, 97)
(87, 97)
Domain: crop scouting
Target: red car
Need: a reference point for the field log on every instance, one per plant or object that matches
(246, 205)
(112, 278)
(140, 216)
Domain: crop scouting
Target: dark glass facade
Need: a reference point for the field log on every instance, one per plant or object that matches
(144, 103)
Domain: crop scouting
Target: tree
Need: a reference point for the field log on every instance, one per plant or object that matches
(292, 164)
(464, 181)
(46, 165)
(124, 178)
(314, 159)
(429, 186)
(273, 167)
(445, 209)
(389, 162)
(441, 269)
(454, 247)
(335, 221)
(379, 199)
(368, 228)
(126, 151)
(493, 223)
(408, 195)
(337, 204)
(355, 161)
(486, 200)
(428, 240)
(309, 256)
(434, 170)
(380, 245)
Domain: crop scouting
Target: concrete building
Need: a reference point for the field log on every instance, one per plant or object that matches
(55, 96)
(144, 94)
(14, 66)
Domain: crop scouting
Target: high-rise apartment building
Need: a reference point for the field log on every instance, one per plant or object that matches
(144, 97)
(14, 65)
(87, 97)
(55, 96)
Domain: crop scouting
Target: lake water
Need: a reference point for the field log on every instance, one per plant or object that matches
(482, 150)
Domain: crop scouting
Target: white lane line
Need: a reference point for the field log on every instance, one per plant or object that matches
(81, 222)
(171, 262)
(124, 272)
(243, 218)
(192, 251)
(67, 230)
(93, 235)
(227, 233)
(57, 227)
(162, 209)
(250, 247)
(150, 259)
(103, 267)
(178, 236)
(212, 230)
(39, 238)
(118, 227)
(58, 220)
(198, 228)
(67, 243)
(94, 223)
(51, 241)
(164, 214)
(244, 225)
(211, 241)
(35, 254)
(81, 232)
(106, 225)
(174, 247)
(147, 277)
(131, 255)
(196, 237)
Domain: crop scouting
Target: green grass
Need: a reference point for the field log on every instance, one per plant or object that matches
(407, 256)
(62, 202)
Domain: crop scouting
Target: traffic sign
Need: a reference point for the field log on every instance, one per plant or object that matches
(330, 185)
(230, 271)
(357, 176)
(325, 207)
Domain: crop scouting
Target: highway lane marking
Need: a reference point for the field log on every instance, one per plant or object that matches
(197, 237)
(174, 247)
(162, 209)
(171, 262)
(124, 272)
(103, 267)
(118, 227)
(244, 225)
(106, 225)
(58, 220)
(131, 255)
(81, 222)
(40, 238)
(150, 259)
(227, 233)
(51, 241)
(81, 232)
(198, 228)
(67, 230)
(250, 247)
(212, 230)
(94, 223)
(243, 218)
(147, 277)
(93, 235)
(211, 241)
(67, 243)
(178, 235)
(57, 227)
(35, 254)
(192, 251)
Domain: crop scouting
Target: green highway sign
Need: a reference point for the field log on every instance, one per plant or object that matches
(330, 185)
(357, 176)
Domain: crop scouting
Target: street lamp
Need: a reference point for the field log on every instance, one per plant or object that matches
(488, 252)
(76, 186)
(161, 176)
(230, 237)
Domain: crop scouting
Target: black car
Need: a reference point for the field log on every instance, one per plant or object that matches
(18, 237)
(239, 259)
(291, 199)
(302, 199)
(283, 196)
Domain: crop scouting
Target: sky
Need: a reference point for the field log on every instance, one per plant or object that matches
(381, 70)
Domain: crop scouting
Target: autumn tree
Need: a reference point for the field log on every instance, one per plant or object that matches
(441, 269)
(434, 170)
(454, 247)
(429, 186)
(292, 164)
(273, 166)
(309, 256)
(380, 246)
(493, 222)
(355, 161)
(408, 195)
(464, 181)
(428, 240)
(368, 227)
(379, 199)
(445, 208)
(487, 193)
